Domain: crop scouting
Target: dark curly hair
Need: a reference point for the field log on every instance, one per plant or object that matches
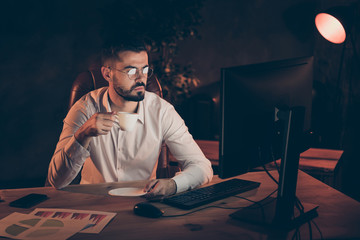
(112, 48)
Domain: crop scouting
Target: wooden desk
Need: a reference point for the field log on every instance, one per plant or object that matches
(319, 163)
(339, 215)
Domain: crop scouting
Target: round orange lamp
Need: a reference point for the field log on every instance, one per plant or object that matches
(334, 23)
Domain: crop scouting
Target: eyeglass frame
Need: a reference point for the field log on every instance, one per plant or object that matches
(137, 73)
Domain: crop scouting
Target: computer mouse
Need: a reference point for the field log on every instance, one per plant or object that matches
(146, 209)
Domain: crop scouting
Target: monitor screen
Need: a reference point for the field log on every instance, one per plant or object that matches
(249, 100)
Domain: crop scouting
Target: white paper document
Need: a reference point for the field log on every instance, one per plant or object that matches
(53, 223)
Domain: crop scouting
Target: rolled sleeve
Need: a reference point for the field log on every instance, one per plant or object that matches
(69, 155)
(75, 151)
(196, 168)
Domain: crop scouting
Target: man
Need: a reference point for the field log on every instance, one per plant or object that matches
(92, 138)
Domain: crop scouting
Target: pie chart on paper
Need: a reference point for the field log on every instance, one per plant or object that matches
(127, 192)
(49, 227)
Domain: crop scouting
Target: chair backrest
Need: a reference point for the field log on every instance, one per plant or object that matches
(93, 79)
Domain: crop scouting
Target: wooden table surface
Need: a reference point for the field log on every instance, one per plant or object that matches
(322, 159)
(339, 215)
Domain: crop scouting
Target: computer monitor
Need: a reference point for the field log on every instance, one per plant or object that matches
(250, 96)
(252, 99)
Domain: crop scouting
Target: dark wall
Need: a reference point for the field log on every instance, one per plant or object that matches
(45, 44)
(245, 32)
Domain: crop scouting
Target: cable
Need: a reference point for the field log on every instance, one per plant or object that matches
(310, 230)
(296, 234)
(268, 173)
(269, 195)
(297, 202)
(257, 203)
(317, 227)
(273, 159)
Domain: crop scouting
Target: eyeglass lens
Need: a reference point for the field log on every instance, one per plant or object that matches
(133, 73)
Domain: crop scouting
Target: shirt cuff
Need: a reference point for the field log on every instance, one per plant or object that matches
(75, 151)
(182, 183)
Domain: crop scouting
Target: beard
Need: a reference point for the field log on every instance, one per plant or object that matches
(126, 94)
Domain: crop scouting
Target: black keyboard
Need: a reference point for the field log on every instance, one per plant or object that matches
(205, 195)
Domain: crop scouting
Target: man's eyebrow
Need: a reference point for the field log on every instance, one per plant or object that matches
(130, 67)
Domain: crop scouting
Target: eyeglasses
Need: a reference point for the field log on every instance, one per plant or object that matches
(134, 73)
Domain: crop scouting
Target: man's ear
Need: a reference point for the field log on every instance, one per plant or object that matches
(105, 71)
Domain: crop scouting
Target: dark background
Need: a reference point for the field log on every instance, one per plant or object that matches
(45, 44)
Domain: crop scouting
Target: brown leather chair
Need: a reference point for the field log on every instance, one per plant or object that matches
(93, 79)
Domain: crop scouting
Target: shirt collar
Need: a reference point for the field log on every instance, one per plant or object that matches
(106, 102)
(140, 111)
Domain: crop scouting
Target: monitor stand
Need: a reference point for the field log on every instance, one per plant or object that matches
(263, 214)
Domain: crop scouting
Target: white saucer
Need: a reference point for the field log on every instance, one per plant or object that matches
(127, 192)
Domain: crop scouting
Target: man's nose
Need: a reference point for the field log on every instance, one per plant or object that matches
(141, 76)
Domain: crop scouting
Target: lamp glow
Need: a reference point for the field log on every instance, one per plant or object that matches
(330, 28)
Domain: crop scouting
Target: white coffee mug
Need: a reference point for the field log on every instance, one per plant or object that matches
(127, 120)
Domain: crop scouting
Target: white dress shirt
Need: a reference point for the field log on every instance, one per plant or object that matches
(123, 155)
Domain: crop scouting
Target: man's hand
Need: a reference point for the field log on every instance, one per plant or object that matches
(160, 187)
(97, 124)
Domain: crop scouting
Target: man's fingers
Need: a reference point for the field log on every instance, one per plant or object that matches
(109, 116)
(108, 123)
(150, 185)
(157, 188)
(105, 128)
(103, 132)
(105, 122)
(161, 187)
(106, 116)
